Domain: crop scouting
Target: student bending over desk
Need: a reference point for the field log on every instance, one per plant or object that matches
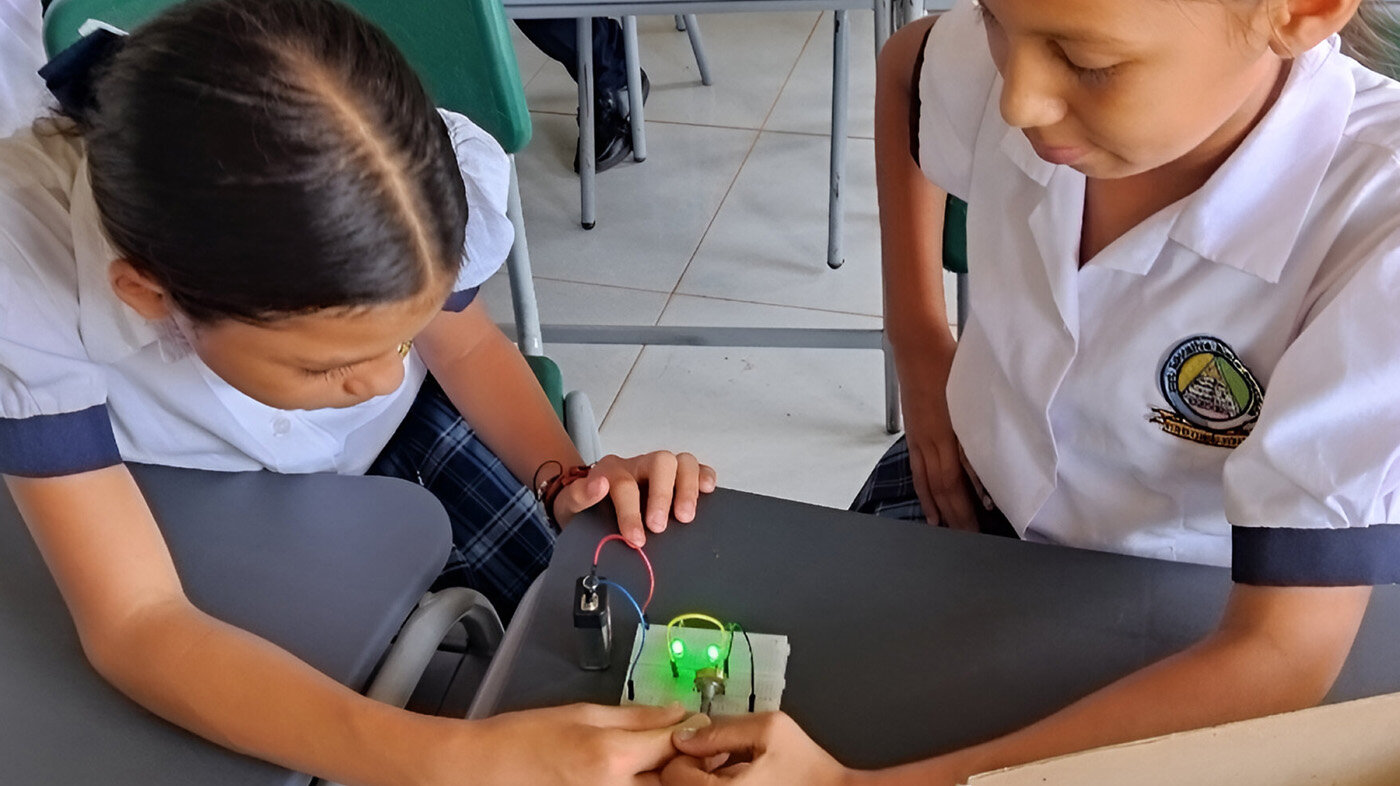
(1184, 261)
(243, 249)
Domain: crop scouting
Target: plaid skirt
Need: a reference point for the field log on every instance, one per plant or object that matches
(500, 541)
(889, 492)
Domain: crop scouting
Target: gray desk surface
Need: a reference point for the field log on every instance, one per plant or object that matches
(325, 566)
(906, 640)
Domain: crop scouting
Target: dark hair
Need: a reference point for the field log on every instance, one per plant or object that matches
(1373, 37)
(263, 158)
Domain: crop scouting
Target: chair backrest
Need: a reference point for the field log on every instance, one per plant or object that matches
(461, 50)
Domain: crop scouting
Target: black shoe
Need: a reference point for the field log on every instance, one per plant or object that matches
(612, 128)
(612, 141)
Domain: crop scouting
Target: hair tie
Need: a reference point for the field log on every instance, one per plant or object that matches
(70, 73)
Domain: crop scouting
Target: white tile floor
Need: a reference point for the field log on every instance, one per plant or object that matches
(724, 224)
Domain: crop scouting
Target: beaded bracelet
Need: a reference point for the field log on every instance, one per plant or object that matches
(546, 491)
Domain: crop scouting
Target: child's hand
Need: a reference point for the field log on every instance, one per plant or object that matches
(673, 482)
(752, 749)
(577, 744)
(935, 458)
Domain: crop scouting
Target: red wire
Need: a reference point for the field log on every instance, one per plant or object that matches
(651, 575)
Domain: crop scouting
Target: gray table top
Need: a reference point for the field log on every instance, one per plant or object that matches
(907, 640)
(326, 566)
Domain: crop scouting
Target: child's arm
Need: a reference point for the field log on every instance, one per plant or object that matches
(487, 379)
(916, 320)
(140, 632)
(1276, 649)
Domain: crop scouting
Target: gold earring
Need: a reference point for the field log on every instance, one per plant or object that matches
(405, 347)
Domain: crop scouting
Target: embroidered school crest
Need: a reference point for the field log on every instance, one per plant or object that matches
(1214, 398)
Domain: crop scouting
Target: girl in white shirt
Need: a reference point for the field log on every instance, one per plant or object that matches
(245, 251)
(1184, 271)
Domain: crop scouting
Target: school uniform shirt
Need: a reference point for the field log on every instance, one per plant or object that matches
(85, 382)
(22, 93)
(1221, 384)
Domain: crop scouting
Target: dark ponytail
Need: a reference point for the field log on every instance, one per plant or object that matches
(263, 158)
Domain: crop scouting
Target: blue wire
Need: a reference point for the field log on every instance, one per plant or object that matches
(638, 657)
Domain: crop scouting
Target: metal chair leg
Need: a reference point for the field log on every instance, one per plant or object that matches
(680, 23)
(522, 282)
(587, 161)
(635, 99)
(886, 21)
(840, 87)
(702, 63)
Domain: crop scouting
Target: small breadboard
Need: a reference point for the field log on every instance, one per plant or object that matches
(655, 684)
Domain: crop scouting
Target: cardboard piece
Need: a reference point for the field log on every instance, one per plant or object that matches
(1356, 743)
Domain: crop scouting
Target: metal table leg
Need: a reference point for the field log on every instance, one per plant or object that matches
(840, 87)
(634, 88)
(587, 158)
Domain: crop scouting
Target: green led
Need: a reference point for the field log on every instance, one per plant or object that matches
(677, 647)
(713, 652)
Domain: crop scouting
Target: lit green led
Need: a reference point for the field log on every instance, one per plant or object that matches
(713, 652)
(677, 647)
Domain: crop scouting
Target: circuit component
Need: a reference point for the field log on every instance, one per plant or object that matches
(592, 623)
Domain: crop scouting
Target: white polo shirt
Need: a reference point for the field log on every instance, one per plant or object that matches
(86, 382)
(22, 93)
(1225, 376)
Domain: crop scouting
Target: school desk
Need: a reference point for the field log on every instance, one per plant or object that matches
(907, 640)
(326, 566)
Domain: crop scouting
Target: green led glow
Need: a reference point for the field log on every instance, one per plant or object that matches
(713, 652)
(677, 647)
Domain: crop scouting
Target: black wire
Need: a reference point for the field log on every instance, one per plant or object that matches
(753, 691)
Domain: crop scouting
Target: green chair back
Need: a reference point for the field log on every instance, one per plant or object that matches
(461, 50)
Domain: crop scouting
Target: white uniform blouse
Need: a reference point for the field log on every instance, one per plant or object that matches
(85, 382)
(22, 93)
(1225, 376)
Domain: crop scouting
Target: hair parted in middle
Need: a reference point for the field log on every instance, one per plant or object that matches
(265, 158)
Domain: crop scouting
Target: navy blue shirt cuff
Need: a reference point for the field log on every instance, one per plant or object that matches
(458, 301)
(1297, 557)
(46, 446)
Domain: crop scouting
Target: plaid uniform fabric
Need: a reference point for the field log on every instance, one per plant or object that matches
(890, 492)
(500, 539)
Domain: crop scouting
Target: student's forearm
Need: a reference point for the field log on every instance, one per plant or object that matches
(139, 630)
(245, 693)
(1232, 675)
(911, 208)
(512, 415)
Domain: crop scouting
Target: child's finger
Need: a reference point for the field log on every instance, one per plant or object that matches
(688, 771)
(650, 749)
(919, 471)
(954, 503)
(743, 734)
(643, 717)
(687, 487)
(982, 495)
(580, 495)
(709, 479)
(627, 501)
(661, 487)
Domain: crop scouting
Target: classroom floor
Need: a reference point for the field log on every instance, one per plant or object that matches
(723, 224)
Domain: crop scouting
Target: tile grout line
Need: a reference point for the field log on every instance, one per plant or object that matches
(766, 303)
(720, 127)
(758, 132)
